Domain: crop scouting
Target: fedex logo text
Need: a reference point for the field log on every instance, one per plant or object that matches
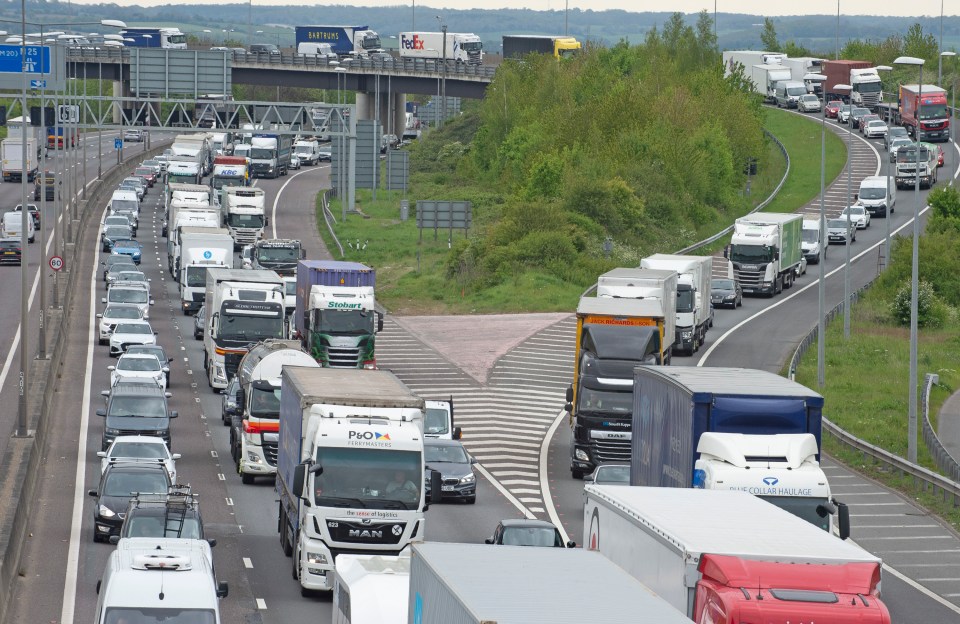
(413, 43)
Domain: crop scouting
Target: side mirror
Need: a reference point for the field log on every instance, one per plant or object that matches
(222, 589)
(92, 493)
(726, 252)
(105, 393)
(568, 408)
(151, 303)
(212, 542)
(174, 414)
(571, 544)
(436, 486)
(843, 520)
(114, 539)
(111, 368)
(99, 316)
(473, 459)
(101, 453)
(176, 456)
(379, 322)
(103, 299)
(489, 540)
(457, 433)
(299, 476)
(101, 412)
(167, 394)
(98, 586)
(569, 395)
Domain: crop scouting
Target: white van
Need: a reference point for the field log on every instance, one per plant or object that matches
(126, 203)
(159, 579)
(876, 196)
(810, 242)
(320, 50)
(789, 93)
(13, 226)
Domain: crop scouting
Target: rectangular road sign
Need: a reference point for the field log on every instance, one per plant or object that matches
(38, 59)
(68, 113)
(117, 143)
(38, 84)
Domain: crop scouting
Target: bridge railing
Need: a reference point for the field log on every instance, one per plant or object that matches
(386, 64)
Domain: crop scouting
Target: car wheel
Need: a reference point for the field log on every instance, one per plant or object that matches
(102, 342)
(472, 500)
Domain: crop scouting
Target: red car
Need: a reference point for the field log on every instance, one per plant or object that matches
(832, 109)
(147, 173)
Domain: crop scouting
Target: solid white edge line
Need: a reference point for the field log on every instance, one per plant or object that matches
(802, 290)
(73, 551)
(273, 215)
(544, 483)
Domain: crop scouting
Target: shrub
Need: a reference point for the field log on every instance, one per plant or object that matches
(931, 311)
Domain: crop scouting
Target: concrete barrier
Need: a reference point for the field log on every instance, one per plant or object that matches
(20, 467)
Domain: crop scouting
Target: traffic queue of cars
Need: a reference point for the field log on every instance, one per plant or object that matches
(162, 563)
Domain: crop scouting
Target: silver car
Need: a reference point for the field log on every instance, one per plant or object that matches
(139, 449)
(841, 230)
(809, 104)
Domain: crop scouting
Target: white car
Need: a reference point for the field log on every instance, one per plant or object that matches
(132, 293)
(858, 214)
(841, 230)
(139, 366)
(132, 332)
(294, 161)
(140, 449)
(802, 267)
(809, 103)
(113, 314)
(875, 128)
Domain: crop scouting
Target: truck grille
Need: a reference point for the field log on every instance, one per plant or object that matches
(231, 362)
(270, 452)
(343, 357)
(748, 279)
(199, 297)
(612, 450)
(359, 533)
(244, 235)
(870, 100)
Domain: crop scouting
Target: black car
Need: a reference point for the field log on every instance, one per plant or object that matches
(10, 251)
(156, 350)
(112, 234)
(118, 483)
(526, 532)
(230, 400)
(726, 293)
(135, 408)
(111, 260)
(174, 514)
(198, 322)
(455, 465)
(857, 115)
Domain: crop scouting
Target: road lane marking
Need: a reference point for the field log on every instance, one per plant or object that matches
(276, 200)
(247, 563)
(261, 604)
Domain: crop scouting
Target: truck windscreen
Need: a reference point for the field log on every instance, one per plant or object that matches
(869, 87)
(751, 253)
(373, 478)
(245, 221)
(933, 111)
(358, 322)
(599, 401)
(264, 401)
(259, 153)
(196, 277)
(245, 322)
(812, 236)
(803, 507)
(278, 254)
(685, 301)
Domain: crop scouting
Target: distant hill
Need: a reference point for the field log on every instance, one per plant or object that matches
(229, 21)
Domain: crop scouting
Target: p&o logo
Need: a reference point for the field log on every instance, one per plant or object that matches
(368, 435)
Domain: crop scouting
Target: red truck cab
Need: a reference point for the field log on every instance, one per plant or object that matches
(928, 116)
(733, 590)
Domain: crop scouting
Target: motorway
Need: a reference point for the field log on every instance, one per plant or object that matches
(512, 423)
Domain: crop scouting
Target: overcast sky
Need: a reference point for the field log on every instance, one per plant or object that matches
(755, 7)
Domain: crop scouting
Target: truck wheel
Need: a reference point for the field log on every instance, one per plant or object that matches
(285, 534)
(210, 376)
(247, 479)
(577, 474)
(295, 568)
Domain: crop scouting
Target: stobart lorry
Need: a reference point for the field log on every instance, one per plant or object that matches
(350, 469)
(243, 307)
(727, 557)
(764, 252)
(201, 248)
(244, 213)
(693, 296)
(753, 430)
(259, 403)
(336, 317)
(631, 323)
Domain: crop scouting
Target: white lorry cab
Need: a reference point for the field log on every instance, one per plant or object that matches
(876, 196)
(159, 580)
(13, 226)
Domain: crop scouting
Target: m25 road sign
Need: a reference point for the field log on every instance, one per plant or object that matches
(12, 60)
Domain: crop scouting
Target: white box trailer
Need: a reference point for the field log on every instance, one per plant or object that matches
(371, 589)
(693, 296)
(480, 584)
(460, 47)
(749, 58)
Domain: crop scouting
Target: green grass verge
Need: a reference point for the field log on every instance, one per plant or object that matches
(412, 276)
(866, 389)
(801, 136)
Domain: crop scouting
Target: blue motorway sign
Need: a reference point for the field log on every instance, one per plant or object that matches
(38, 84)
(117, 143)
(38, 59)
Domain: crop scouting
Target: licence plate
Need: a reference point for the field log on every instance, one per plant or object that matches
(446, 488)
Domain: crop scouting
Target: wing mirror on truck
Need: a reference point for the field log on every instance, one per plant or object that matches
(457, 433)
(843, 520)
(379, 322)
(223, 589)
(436, 486)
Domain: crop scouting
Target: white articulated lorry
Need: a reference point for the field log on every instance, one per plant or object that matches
(255, 452)
(765, 252)
(244, 213)
(201, 248)
(350, 469)
(693, 296)
(242, 307)
(197, 217)
(182, 195)
(459, 47)
(728, 557)
(13, 165)
(749, 58)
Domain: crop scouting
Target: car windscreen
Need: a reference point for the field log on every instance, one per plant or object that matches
(138, 406)
(722, 284)
(127, 295)
(139, 450)
(127, 483)
(138, 364)
(134, 329)
(118, 312)
(445, 453)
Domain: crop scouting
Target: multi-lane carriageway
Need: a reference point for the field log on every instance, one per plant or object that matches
(511, 419)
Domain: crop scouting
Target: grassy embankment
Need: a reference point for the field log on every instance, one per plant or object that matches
(412, 277)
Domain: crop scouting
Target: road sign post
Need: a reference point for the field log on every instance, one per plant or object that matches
(56, 263)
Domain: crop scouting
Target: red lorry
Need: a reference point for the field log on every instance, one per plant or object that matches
(933, 120)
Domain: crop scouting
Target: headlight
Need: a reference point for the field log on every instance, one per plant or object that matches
(105, 511)
(581, 455)
(316, 558)
(253, 458)
(729, 297)
(468, 479)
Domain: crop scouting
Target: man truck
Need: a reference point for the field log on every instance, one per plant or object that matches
(201, 248)
(764, 252)
(674, 408)
(922, 109)
(350, 468)
(693, 296)
(336, 317)
(630, 323)
(242, 307)
(255, 447)
(727, 557)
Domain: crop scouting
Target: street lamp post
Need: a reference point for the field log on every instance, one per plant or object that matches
(887, 207)
(914, 280)
(443, 72)
(837, 53)
(821, 294)
(940, 58)
(953, 100)
(846, 265)
(341, 186)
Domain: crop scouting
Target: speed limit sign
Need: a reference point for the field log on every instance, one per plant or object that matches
(56, 263)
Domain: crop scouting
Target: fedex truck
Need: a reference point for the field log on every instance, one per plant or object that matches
(460, 47)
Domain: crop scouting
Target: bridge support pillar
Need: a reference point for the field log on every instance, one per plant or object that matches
(398, 106)
(392, 107)
(120, 90)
